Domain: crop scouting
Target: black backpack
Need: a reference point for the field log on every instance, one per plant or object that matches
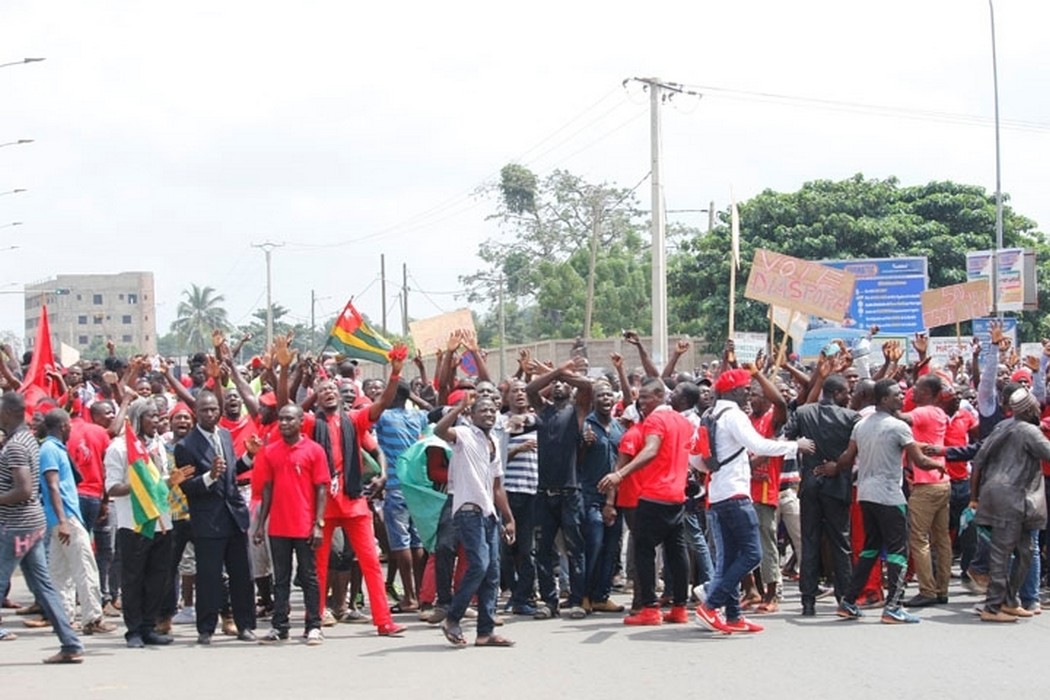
(707, 434)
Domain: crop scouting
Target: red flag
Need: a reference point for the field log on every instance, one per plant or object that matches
(37, 385)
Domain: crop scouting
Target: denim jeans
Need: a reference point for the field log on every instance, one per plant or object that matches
(479, 535)
(560, 511)
(89, 509)
(1029, 592)
(26, 548)
(737, 551)
(958, 502)
(700, 554)
(281, 549)
(601, 550)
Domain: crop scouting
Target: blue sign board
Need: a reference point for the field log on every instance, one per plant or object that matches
(887, 294)
(982, 328)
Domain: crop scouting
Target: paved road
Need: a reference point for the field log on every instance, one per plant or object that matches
(949, 655)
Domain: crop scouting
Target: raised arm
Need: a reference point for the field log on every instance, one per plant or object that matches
(386, 399)
(680, 348)
(643, 354)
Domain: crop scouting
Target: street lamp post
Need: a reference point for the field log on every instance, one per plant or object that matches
(998, 178)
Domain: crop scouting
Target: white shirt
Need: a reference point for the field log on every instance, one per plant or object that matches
(475, 463)
(735, 431)
(116, 462)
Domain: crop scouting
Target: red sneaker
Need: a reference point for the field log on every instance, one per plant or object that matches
(390, 629)
(743, 625)
(711, 619)
(645, 616)
(677, 615)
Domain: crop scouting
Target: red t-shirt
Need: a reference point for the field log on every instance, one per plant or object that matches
(340, 505)
(295, 470)
(240, 431)
(663, 479)
(929, 425)
(957, 435)
(630, 445)
(766, 491)
(87, 449)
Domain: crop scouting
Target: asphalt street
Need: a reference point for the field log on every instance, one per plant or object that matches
(950, 654)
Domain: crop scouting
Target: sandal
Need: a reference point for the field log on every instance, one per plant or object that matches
(65, 657)
(770, 606)
(398, 609)
(7, 635)
(493, 640)
(453, 634)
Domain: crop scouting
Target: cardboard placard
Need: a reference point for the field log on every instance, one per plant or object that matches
(800, 285)
(956, 303)
(431, 334)
(748, 345)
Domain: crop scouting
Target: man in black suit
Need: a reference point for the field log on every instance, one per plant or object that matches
(219, 517)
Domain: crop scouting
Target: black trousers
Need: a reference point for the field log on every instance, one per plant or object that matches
(823, 516)
(213, 553)
(884, 527)
(145, 569)
(181, 535)
(281, 549)
(656, 524)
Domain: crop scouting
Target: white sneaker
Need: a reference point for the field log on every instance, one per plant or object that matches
(328, 619)
(185, 616)
(314, 637)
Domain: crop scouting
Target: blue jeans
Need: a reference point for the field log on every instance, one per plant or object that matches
(1029, 592)
(560, 511)
(601, 550)
(26, 547)
(700, 554)
(479, 535)
(737, 551)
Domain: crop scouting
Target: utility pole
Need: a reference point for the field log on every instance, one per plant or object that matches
(711, 218)
(404, 299)
(502, 332)
(998, 177)
(659, 91)
(313, 300)
(596, 224)
(382, 286)
(268, 248)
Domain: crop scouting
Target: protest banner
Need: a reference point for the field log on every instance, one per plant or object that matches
(431, 334)
(800, 285)
(955, 303)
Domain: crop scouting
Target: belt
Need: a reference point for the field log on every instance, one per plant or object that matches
(559, 492)
(469, 508)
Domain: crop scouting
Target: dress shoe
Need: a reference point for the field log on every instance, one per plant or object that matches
(920, 601)
(204, 638)
(1015, 611)
(942, 600)
(155, 639)
(247, 636)
(989, 616)
(134, 641)
(808, 609)
(606, 606)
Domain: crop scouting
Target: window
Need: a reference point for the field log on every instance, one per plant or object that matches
(82, 320)
(133, 298)
(96, 299)
(98, 319)
(78, 298)
(82, 340)
(120, 297)
(125, 338)
(125, 319)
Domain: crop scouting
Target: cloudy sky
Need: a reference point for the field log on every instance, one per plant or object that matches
(171, 137)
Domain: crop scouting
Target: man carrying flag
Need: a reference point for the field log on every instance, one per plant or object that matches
(38, 384)
(138, 478)
(353, 337)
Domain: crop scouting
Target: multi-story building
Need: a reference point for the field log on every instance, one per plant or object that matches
(87, 309)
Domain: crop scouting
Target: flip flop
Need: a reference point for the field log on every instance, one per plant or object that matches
(494, 641)
(399, 609)
(65, 657)
(454, 635)
(7, 635)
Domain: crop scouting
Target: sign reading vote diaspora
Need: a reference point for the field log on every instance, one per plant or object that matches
(959, 302)
(800, 285)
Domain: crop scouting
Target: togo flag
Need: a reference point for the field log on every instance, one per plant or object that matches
(149, 493)
(353, 337)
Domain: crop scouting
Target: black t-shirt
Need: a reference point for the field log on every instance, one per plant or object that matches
(557, 441)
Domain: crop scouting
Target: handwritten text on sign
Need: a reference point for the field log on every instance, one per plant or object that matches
(800, 285)
(959, 302)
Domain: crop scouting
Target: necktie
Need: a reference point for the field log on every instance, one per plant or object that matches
(217, 444)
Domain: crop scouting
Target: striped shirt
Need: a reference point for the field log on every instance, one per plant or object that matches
(397, 430)
(522, 473)
(21, 451)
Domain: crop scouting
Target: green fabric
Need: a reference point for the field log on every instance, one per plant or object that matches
(423, 500)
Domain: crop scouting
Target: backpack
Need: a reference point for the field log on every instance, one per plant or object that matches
(705, 442)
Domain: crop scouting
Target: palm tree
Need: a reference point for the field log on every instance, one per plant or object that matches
(197, 316)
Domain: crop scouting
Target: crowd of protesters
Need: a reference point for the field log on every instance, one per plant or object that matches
(131, 495)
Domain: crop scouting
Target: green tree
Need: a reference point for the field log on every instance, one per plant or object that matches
(853, 218)
(550, 231)
(197, 315)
